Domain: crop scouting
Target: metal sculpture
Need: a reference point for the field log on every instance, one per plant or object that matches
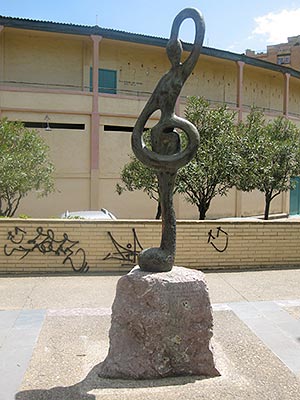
(167, 156)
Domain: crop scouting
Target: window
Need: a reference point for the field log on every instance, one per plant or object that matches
(284, 59)
(118, 128)
(107, 81)
(54, 125)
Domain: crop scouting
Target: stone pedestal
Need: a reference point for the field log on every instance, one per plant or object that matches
(161, 326)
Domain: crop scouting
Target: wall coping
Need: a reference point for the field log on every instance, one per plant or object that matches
(151, 221)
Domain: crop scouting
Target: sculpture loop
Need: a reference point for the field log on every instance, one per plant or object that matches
(166, 155)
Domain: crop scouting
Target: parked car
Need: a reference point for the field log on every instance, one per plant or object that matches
(101, 214)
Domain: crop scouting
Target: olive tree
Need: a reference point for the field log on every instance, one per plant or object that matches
(269, 156)
(136, 176)
(24, 165)
(211, 172)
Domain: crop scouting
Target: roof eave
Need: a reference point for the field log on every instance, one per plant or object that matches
(64, 28)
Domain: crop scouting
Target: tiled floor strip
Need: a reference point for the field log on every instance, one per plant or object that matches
(275, 327)
(19, 331)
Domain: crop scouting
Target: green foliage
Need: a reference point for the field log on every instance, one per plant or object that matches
(269, 155)
(24, 216)
(253, 155)
(209, 174)
(211, 171)
(136, 176)
(24, 165)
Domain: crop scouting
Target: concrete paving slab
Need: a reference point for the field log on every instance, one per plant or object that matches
(264, 285)
(14, 291)
(74, 338)
(64, 366)
(294, 312)
(73, 291)
(91, 291)
(57, 291)
(220, 290)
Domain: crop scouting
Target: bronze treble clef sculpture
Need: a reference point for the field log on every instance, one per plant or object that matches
(166, 156)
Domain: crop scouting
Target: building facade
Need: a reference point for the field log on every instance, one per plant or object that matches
(83, 89)
(287, 54)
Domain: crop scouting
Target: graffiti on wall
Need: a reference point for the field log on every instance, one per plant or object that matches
(127, 253)
(218, 240)
(46, 242)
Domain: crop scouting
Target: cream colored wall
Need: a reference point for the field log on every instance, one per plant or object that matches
(128, 204)
(43, 59)
(263, 88)
(2, 44)
(294, 97)
(120, 108)
(138, 67)
(253, 203)
(44, 102)
(221, 206)
(213, 79)
(70, 194)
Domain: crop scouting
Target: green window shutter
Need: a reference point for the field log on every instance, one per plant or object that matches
(107, 81)
(295, 197)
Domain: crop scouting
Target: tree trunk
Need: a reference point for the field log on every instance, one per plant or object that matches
(268, 199)
(158, 210)
(202, 211)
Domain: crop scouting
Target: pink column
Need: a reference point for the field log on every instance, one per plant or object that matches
(95, 119)
(1, 63)
(239, 104)
(239, 98)
(286, 94)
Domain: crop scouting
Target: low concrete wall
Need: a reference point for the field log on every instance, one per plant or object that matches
(47, 246)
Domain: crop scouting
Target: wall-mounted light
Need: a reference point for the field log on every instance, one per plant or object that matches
(47, 119)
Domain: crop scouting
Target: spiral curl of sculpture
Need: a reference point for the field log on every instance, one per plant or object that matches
(166, 156)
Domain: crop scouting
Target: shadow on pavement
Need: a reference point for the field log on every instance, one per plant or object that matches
(80, 391)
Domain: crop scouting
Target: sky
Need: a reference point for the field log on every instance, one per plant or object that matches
(232, 25)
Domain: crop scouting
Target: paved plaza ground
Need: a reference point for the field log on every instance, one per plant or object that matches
(54, 333)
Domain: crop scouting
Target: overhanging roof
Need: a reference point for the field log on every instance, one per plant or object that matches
(73, 29)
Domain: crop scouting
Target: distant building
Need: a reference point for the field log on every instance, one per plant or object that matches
(287, 54)
(83, 87)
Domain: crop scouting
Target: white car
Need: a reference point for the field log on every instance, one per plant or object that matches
(102, 214)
